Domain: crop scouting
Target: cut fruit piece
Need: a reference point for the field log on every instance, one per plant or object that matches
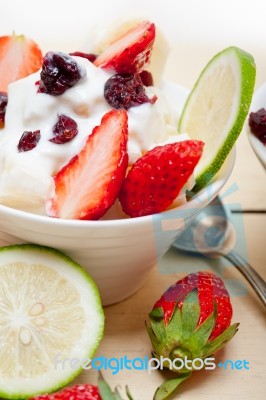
(216, 109)
(19, 57)
(101, 39)
(51, 314)
(131, 51)
(88, 185)
(156, 179)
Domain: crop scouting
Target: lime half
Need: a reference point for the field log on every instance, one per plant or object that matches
(51, 319)
(216, 108)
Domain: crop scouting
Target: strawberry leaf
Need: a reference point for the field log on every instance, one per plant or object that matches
(128, 394)
(174, 328)
(116, 395)
(157, 324)
(154, 341)
(190, 314)
(170, 386)
(106, 392)
(201, 335)
(218, 343)
(104, 388)
(157, 313)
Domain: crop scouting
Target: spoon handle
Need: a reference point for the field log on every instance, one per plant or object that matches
(255, 280)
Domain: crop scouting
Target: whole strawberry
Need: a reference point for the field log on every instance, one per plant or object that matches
(190, 321)
(86, 392)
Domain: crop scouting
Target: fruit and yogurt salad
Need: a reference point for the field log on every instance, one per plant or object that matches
(88, 133)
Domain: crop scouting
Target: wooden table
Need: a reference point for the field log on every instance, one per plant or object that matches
(196, 31)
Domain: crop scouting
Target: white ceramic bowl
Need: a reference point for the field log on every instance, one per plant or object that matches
(118, 254)
(258, 102)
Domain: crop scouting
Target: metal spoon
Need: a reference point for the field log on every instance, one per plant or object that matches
(212, 234)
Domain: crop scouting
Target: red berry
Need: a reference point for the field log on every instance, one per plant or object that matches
(59, 73)
(146, 78)
(156, 178)
(3, 104)
(125, 91)
(64, 130)
(257, 123)
(29, 140)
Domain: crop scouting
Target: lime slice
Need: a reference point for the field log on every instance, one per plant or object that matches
(51, 319)
(216, 108)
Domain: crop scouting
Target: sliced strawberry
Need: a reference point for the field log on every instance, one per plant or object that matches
(19, 57)
(77, 392)
(88, 185)
(156, 179)
(131, 51)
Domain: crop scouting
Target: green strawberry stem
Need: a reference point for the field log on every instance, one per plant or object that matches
(106, 392)
(169, 387)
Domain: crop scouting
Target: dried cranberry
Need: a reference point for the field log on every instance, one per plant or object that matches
(59, 73)
(125, 91)
(91, 57)
(3, 104)
(257, 123)
(29, 140)
(64, 130)
(146, 78)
